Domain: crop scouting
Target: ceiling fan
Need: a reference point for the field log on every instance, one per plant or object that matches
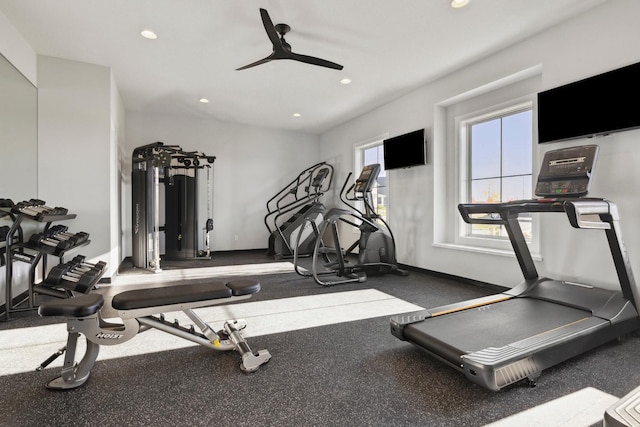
(282, 49)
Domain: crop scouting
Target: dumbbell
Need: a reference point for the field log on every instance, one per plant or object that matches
(74, 238)
(58, 228)
(6, 203)
(79, 261)
(67, 273)
(36, 208)
(30, 207)
(41, 239)
(57, 273)
(60, 232)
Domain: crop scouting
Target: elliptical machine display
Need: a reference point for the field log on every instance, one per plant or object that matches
(376, 250)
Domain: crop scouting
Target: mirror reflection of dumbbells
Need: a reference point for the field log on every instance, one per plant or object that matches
(59, 238)
(83, 275)
(36, 208)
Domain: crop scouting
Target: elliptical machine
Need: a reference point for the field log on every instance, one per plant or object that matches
(290, 208)
(376, 244)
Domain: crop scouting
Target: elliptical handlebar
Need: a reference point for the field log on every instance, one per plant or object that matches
(344, 195)
(314, 182)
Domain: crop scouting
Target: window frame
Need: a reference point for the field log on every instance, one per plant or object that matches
(462, 232)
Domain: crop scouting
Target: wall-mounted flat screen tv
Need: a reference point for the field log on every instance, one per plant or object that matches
(404, 151)
(594, 106)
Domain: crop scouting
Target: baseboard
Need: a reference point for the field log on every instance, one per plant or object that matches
(461, 279)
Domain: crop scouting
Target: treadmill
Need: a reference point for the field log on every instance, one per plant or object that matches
(512, 336)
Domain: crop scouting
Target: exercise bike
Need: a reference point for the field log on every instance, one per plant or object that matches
(376, 245)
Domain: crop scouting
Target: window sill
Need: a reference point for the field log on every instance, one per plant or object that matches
(484, 250)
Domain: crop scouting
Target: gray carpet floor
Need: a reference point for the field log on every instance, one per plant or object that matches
(347, 374)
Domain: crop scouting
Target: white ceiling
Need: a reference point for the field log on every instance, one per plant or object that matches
(386, 47)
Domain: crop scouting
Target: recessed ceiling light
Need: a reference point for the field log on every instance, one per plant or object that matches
(297, 115)
(459, 3)
(204, 100)
(345, 81)
(148, 34)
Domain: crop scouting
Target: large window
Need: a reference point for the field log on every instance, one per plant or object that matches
(499, 161)
(484, 153)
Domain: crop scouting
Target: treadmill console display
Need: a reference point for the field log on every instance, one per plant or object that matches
(566, 172)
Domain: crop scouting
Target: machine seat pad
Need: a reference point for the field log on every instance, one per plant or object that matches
(243, 287)
(170, 295)
(80, 306)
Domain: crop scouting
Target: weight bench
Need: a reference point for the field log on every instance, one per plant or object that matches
(137, 310)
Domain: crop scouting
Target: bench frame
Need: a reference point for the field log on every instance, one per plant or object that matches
(99, 332)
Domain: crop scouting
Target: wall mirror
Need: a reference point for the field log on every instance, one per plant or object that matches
(18, 135)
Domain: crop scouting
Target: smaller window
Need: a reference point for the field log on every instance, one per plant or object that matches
(367, 154)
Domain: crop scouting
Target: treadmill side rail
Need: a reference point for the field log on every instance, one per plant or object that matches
(399, 321)
(496, 368)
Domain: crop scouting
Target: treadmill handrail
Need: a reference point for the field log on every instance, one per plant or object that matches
(496, 212)
(578, 211)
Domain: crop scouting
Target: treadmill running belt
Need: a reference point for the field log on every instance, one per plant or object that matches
(453, 335)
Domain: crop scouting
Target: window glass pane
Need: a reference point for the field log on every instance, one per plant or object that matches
(485, 149)
(485, 190)
(370, 156)
(516, 188)
(500, 165)
(516, 143)
(488, 230)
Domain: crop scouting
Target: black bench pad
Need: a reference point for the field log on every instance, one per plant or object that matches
(180, 294)
(80, 306)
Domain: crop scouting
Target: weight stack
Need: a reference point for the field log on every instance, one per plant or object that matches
(181, 222)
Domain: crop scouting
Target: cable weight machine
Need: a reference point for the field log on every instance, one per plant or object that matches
(178, 171)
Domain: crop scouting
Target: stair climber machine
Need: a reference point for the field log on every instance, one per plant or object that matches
(179, 173)
(512, 336)
(376, 249)
(288, 209)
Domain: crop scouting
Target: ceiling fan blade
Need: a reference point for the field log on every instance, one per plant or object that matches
(271, 30)
(282, 49)
(253, 64)
(315, 61)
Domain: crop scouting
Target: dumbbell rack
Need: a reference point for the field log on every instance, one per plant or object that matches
(5, 229)
(16, 251)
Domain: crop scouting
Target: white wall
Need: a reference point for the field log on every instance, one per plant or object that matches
(16, 49)
(76, 143)
(116, 160)
(600, 40)
(252, 165)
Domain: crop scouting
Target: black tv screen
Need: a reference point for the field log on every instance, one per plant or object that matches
(594, 106)
(405, 150)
